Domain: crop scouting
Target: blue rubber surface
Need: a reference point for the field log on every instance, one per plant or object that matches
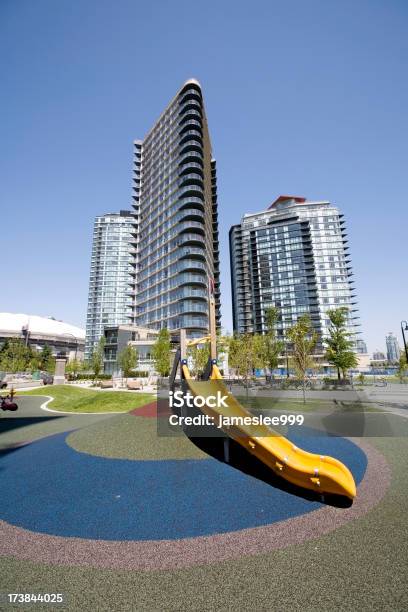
(50, 488)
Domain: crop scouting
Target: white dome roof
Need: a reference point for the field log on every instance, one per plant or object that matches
(13, 323)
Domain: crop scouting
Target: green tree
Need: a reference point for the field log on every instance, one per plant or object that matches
(199, 356)
(303, 339)
(402, 370)
(260, 348)
(97, 358)
(47, 359)
(273, 347)
(339, 343)
(14, 356)
(127, 360)
(243, 355)
(73, 367)
(161, 352)
(361, 378)
(34, 359)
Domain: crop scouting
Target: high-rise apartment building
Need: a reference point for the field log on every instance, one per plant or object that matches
(294, 256)
(108, 298)
(175, 238)
(393, 349)
(361, 346)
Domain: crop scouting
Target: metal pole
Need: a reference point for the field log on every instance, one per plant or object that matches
(212, 325)
(183, 344)
(287, 360)
(403, 337)
(76, 342)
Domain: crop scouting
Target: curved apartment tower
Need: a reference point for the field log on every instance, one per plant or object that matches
(175, 238)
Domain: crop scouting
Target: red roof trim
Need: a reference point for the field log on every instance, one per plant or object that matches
(282, 198)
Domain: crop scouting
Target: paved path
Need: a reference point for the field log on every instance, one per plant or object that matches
(30, 422)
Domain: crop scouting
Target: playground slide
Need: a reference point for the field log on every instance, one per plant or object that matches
(322, 474)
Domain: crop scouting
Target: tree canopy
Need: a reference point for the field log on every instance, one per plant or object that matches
(161, 352)
(127, 360)
(339, 343)
(303, 339)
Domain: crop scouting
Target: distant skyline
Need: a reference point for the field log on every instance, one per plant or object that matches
(302, 98)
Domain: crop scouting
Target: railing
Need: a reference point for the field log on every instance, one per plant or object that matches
(191, 164)
(189, 225)
(191, 251)
(189, 188)
(184, 279)
(191, 200)
(188, 238)
(192, 293)
(186, 264)
(189, 212)
(192, 102)
(190, 176)
(186, 321)
(190, 122)
(191, 111)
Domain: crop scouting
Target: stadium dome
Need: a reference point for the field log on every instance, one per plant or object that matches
(39, 331)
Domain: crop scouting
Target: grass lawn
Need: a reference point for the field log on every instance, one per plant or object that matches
(74, 399)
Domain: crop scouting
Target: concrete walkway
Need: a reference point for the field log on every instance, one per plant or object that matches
(30, 422)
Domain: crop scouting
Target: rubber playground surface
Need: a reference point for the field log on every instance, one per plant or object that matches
(101, 509)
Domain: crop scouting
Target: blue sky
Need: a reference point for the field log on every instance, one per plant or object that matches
(303, 97)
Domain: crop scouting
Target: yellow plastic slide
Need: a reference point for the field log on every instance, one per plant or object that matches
(322, 474)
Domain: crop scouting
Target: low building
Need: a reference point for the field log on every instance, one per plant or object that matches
(117, 337)
(364, 362)
(64, 340)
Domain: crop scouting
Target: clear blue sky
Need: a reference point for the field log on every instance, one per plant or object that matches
(305, 97)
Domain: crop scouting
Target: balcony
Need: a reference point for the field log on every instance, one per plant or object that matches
(190, 202)
(194, 156)
(190, 96)
(192, 190)
(192, 123)
(188, 322)
(191, 264)
(193, 178)
(183, 227)
(190, 104)
(189, 292)
(192, 252)
(191, 166)
(190, 147)
(191, 114)
(191, 214)
(191, 306)
(190, 238)
(191, 135)
(185, 278)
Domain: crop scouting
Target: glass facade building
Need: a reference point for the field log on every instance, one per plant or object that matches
(393, 349)
(293, 256)
(108, 299)
(175, 236)
(361, 346)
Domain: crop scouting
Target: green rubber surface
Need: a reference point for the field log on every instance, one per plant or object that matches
(131, 437)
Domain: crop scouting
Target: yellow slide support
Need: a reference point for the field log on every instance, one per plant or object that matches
(322, 474)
